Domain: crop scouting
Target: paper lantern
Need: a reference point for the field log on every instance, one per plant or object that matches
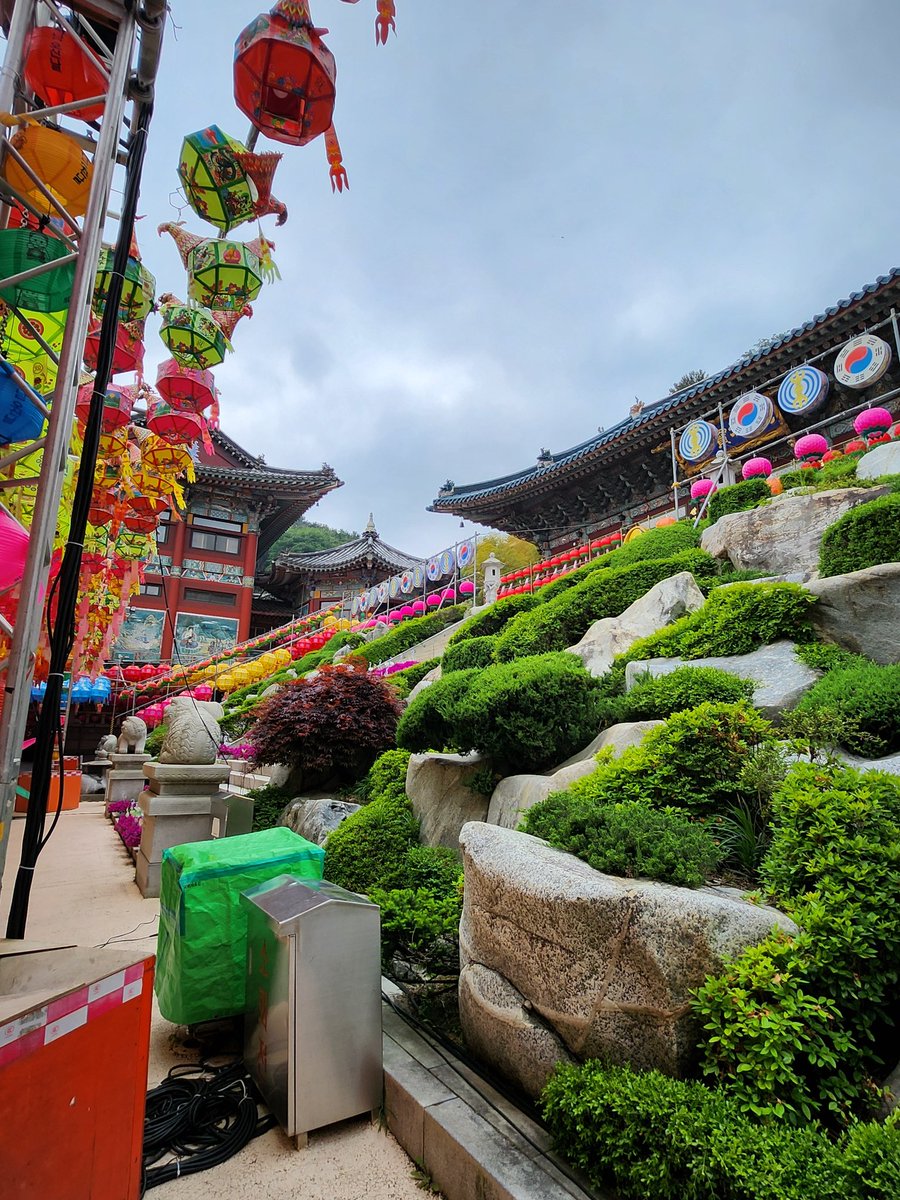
(185, 387)
(810, 447)
(418, 607)
(58, 161)
(138, 287)
(225, 183)
(701, 488)
(663, 522)
(192, 336)
(203, 692)
(24, 249)
(174, 424)
(222, 274)
(13, 550)
(284, 75)
(873, 422)
(128, 354)
(17, 342)
(160, 457)
(407, 611)
(116, 407)
(755, 467)
(20, 420)
(448, 594)
(467, 587)
(58, 71)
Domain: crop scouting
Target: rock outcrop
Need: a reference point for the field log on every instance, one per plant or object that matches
(315, 817)
(603, 965)
(438, 787)
(880, 460)
(861, 611)
(780, 678)
(658, 607)
(783, 535)
(514, 795)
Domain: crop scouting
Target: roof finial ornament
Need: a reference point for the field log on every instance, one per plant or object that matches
(370, 527)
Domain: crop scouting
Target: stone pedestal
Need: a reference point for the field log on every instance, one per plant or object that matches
(125, 779)
(177, 804)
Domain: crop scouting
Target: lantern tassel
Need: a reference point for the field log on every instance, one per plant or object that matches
(384, 22)
(270, 271)
(337, 171)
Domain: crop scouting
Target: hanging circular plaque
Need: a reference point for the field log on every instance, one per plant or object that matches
(365, 601)
(394, 587)
(446, 561)
(465, 553)
(862, 361)
(803, 390)
(698, 442)
(418, 577)
(382, 592)
(749, 415)
(433, 570)
(406, 582)
(354, 606)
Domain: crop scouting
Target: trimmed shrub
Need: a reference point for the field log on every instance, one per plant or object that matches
(386, 778)
(269, 803)
(474, 652)
(155, 739)
(866, 698)
(429, 720)
(734, 620)
(863, 537)
(332, 726)
(370, 848)
(655, 698)
(409, 633)
(633, 840)
(693, 762)
(737, 497)
(436, 868)
(404, 681)
(824, 657)
(530, 714)
(563, 620)
(492, 620)
(647, 1135)
(421, 926)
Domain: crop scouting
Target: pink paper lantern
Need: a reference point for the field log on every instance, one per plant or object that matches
(448, 594)
(873, 422)
(203, 691)
(152, 714)
(407, 611)
(433, 600)
(700, 488)
(812, 446)
(396, 615)
(418, 607)
(467, 587)
(13, 550)
(754, 467)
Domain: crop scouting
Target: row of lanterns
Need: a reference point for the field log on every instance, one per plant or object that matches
(532, 578)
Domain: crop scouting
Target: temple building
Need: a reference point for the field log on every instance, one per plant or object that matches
(198, 592)
(625, 474)
(316, 579)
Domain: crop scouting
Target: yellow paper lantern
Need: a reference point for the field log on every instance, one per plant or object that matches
(57, 159)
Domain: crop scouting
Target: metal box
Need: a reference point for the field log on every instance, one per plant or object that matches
(313, 1030)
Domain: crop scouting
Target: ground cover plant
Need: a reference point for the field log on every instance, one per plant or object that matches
(653, 698)
(863, 537)
(865, 697)
(525, 715)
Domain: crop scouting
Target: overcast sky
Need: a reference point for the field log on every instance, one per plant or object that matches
(552, 209)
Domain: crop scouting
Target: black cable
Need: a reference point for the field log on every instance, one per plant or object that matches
(68, 580)
(201, 1116)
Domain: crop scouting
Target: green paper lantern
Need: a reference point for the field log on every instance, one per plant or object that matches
(19, 345)
(22, 250)
(137, 290)
(192, 336)
(223, 275)
(225, 183)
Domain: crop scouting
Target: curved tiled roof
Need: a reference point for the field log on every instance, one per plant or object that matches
(276, 477)
(553, 464)
(367, 550)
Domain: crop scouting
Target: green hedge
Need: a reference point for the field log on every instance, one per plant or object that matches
(863, 537)
(655, 1138)
(474, 652)
(405, 681)
(525, 715)
(655, 698)
(493, 618)
(866, 698)
(737, 497)
(409, 633)
(564, 619)
(734, 620)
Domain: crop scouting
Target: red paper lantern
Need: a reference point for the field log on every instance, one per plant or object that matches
(117, 405)
(284, 75)
(58, 70)
(179, 426)
(132, 674)
(185, 387)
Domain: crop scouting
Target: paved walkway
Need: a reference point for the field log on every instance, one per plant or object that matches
(84, 893)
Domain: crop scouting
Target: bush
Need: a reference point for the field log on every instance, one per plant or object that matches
(269, 803)
(331, 726)
(530, 714)
(866, 698)
(737, 497)
(492, 620)
(409, 633)
(474, 652)
(370, 848)
(734, 620)
(155, 739)
(647, 1135)
(436, 868)
(386, 778)
(404, 681)
(429, 720)
(824, 657)
(863, 537)
(564, 619)
(420, 926)
(655, 698)
(632, 840)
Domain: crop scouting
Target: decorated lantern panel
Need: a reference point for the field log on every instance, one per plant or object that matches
(225, 183)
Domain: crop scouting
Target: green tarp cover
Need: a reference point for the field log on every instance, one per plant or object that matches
(202, 944)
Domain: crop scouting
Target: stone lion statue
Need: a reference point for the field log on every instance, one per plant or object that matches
(132, 735)
(107, 745)
(192, 732)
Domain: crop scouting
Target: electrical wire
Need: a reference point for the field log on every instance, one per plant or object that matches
(198, 1118)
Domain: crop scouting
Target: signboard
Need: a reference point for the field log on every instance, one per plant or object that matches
(698, 442)
(803, 391)
(862, 361)
(140, 638)
(198, 636)
(750, 415)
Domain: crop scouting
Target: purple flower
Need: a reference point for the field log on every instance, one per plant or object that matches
(128, 827)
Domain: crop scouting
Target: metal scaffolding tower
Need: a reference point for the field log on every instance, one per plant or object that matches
(122, 38)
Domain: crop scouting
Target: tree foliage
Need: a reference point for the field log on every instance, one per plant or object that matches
(304, 536)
